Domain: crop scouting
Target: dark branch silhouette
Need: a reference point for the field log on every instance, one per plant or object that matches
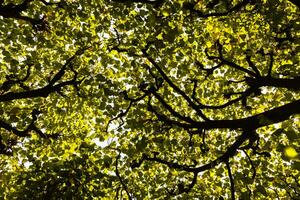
(55, 84)
(232, 189)
(14, 11)
(253, 78)
(120, 179)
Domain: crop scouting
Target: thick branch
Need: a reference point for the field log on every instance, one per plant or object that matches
(266, 118)
(52, 86)
(293, 83)
(256, 83)
(17, 132)
(41, 92)
(14, 11)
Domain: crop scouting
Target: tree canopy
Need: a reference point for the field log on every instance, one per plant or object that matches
(149, 99)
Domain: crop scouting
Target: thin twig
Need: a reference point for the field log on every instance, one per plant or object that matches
(231, 180)
(120, 179)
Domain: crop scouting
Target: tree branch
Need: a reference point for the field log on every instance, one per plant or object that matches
(289, 83)
(252, 165)
(120, 178)
(51, 87)
(14, 11)
(231, 180)
(175, 87)
(25, 132)
(171, 110)
(231, 151)
(182, 189)
(266, 118)
(224, 61)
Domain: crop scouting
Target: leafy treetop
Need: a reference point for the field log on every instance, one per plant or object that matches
(150, 99)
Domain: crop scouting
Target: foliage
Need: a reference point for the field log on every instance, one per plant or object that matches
(149, 99)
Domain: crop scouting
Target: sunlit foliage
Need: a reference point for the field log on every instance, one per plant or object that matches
(149, 99)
